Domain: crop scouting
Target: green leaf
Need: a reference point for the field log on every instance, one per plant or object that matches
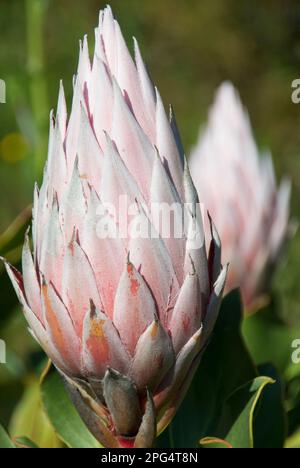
(294, 409)
(240, 409)
(226, 366)
(213, 442)
(293, 441)
(63, 415)
(270, 424)
(269, 338)
(24, 442)
(30, 421)
(5, 441)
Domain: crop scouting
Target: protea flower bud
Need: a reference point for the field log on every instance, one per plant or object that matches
(238, 186)
(124, 318)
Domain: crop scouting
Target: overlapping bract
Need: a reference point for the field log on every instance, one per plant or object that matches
(124, 319)
(239, 189)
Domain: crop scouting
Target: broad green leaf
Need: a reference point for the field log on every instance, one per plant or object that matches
(30, 421)
(269, 338)
(270, 424)
(213, 442)
(62, 414)
(5, 441)
(24, 442)
(240, 408)
(294, 409)
(226, 366)
(293, 441)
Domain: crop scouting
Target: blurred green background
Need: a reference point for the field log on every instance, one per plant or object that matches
(190, 48)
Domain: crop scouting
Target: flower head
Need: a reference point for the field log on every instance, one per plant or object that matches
(124, 316)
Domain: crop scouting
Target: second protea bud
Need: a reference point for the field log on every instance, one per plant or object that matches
(238, 186)
(123, 309)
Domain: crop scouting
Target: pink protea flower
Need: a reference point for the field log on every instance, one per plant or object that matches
(123, 318)
(238, 187)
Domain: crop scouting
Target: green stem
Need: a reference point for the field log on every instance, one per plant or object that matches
(35, 20)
